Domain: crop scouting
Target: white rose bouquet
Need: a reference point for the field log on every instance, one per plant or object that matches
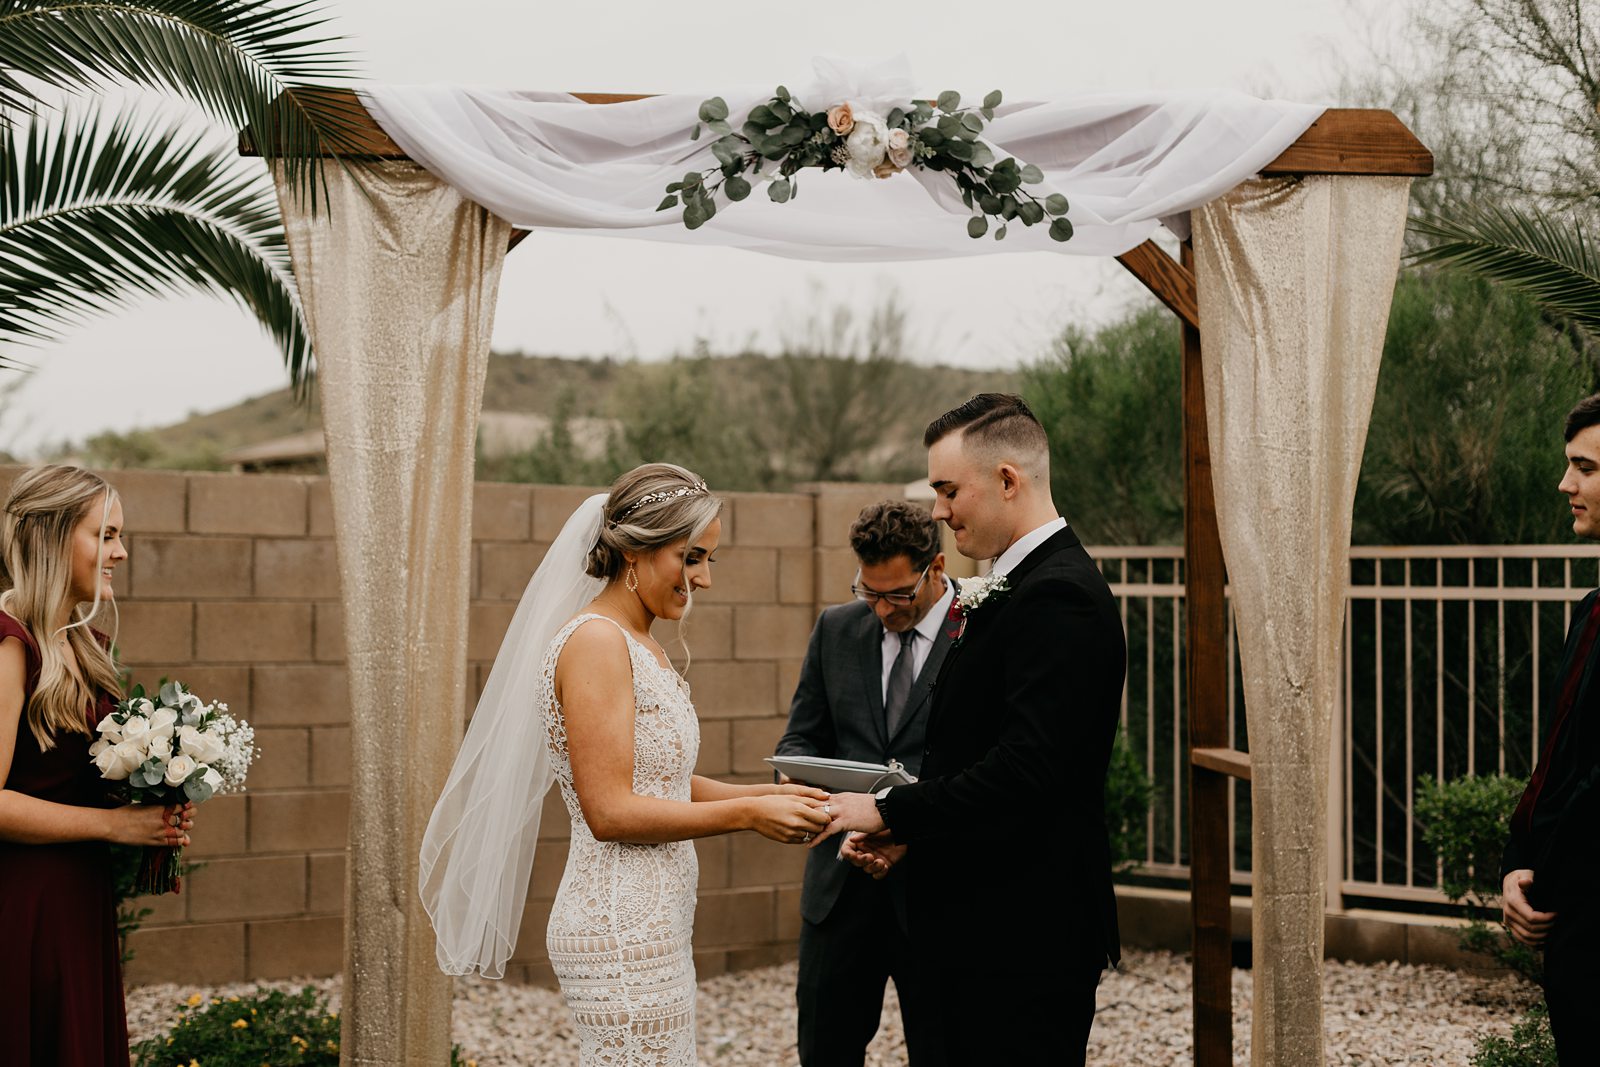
(171, 748)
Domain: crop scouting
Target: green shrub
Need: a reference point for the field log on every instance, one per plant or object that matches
(1128, 793)
(1530, 1045)
(1466, 822)
(269, 1026)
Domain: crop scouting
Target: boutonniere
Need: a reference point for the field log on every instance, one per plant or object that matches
(973, 594)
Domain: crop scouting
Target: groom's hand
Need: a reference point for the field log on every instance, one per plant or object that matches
(851, 811)
(874, 853)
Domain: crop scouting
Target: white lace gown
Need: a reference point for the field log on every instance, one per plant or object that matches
(622, 920)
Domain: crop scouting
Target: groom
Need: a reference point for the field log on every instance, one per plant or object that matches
(1010, 897)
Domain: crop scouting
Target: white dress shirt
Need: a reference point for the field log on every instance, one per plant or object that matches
(926, 629)
(1025, 544)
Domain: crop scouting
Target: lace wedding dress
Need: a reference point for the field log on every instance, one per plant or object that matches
(620, 927)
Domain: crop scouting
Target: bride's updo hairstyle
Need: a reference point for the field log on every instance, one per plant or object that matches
(649, 508)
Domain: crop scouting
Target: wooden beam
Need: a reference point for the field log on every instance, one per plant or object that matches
(1228, 761)
(1169, 280)
(1348, 140)
(1206, 660)
(1342, 141)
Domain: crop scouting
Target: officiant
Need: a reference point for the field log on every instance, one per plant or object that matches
(863, 695)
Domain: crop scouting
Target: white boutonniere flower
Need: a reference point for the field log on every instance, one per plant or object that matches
(976, 592)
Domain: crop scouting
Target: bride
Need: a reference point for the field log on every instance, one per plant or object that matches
(581, 694)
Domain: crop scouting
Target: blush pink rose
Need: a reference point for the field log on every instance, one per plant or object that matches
(841, 120)
(900, 148)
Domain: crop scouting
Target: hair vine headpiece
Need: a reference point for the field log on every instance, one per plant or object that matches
(697, 489)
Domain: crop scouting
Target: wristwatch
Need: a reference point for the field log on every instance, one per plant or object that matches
(881, 798)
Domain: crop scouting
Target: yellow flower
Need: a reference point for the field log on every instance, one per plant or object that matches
(241, 1024)
(195, 1000)
(233, 1000)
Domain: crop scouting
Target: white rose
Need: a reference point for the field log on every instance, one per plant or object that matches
(162, 721)
(98, 747)
(106, 761)
(189, 741)
(868, 143)
(110, 729)
(135, 728)
(159, 747)
(179, 770)
(216, 748)
(120, 760)
(141, 706)
(212, 779)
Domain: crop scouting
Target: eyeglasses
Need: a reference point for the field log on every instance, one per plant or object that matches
(872, 596)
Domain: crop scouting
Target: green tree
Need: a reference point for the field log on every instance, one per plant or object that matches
(1109, 400)
(94, 213)
(1465, 437)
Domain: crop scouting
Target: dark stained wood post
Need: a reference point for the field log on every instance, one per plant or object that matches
(1210, 847)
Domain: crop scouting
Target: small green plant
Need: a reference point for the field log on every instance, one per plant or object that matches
(1531, 1044)
(269, 1026)
(1128, 793)
(1466, 822)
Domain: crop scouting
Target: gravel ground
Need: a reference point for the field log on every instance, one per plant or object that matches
(1376, 1016)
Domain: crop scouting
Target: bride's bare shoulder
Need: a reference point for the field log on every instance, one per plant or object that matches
(595, 643)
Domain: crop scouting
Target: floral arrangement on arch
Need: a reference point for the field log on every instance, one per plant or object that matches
(940, 136)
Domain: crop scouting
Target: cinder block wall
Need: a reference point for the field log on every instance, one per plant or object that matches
(232, 586)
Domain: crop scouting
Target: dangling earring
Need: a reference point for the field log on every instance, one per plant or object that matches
(631, 580)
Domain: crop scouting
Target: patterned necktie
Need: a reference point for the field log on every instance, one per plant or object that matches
(899, 691)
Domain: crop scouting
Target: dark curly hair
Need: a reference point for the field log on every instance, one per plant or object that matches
(893, 528)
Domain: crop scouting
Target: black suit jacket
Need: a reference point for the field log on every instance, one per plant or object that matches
(1562, 848)
(1012, 870)
(837, 711)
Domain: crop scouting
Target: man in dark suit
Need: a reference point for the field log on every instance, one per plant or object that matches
(1010, 894)
(863, 695)
(1551, 869)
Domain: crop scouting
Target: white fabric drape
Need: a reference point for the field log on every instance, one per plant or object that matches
(548, 161)
(1294, 280)
(399, 282)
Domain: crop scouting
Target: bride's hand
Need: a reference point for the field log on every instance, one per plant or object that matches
(789, 818)
(796, 789)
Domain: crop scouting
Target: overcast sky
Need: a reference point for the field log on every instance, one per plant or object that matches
(157, 362)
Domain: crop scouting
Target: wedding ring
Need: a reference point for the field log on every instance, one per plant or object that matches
(806, 839)
(827, 809)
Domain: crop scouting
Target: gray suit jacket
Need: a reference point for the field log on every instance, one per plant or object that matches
(837, 711)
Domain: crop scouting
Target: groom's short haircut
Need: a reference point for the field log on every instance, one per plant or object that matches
(892, 528)
(1585, 415)
(999, 424)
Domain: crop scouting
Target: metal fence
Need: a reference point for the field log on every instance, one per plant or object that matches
(1448, 652)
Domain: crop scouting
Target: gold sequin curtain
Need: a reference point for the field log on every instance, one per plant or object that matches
(1295, 279)
(399, 286)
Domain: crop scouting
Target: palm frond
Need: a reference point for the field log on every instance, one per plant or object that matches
(96, 213)
(1549, 259)
(237, 59)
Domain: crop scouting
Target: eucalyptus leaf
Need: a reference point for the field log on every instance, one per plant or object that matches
(794, 136)
(694, 215)
(763, 117)
(959, 149)
(924, 111)
(720, 127)
(896, 117)
(695, 136)
(990, 204)
(982, 154)
(972, 122)
(931, 137)
(781, 111)
(170, 693)
(977, 226)
(1032, 174)
(1056, 204)
(992, 101)
(987, 113)
(726, 150)
(674, 187)
(691, 180)
(1004, 181)
(1061, 230)
(779, 190)
(1000, 234)
(949, 125)
(670, 201)
(949, 100)
(782, 94)
(1031, 211)
(736, 188)
(713, 109)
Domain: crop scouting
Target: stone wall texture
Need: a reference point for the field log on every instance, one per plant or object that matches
(232, 587)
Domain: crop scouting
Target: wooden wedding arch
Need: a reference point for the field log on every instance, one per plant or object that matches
(1343, 141)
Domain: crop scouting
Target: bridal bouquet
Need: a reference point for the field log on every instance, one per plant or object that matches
(171, 748)
(941, 136)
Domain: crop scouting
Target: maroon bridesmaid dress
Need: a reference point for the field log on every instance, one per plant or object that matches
(60, 963)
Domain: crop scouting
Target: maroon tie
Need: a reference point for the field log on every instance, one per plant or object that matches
(1522, 821)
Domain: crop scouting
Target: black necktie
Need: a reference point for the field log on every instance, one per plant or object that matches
(899, 691)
